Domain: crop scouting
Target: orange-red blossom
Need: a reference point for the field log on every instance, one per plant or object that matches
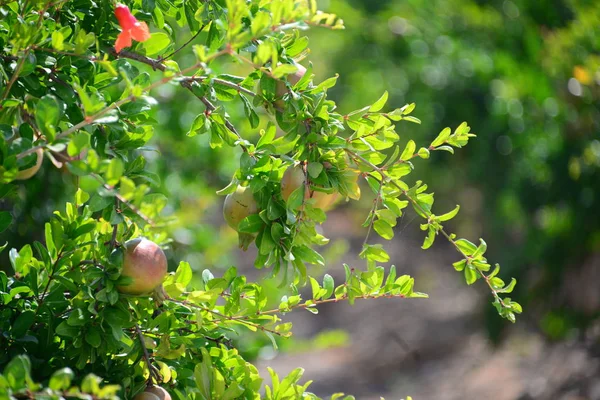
(131, 28)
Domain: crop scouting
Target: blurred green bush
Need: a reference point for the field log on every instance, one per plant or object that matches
(526, 76)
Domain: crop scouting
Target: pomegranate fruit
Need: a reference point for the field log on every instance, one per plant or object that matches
(237, 206)
(293, 178)
(145, 263)
(153, 393)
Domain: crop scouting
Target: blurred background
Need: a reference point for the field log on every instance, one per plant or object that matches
(525, 74)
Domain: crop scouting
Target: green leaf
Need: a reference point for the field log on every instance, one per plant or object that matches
(61, 379)
(409, 150)
(470, 275)
(314, 169)
(445, 148)
(429, 239)
(64, 329)
(424, 153)
(384, 229)
(80, 141)
(158, 42)
(251, 224)
(465, 246)
(93, 338)
(509, 288)
(442, 137)
(326, 84)
(308, 255)
(460, 265)
(328, 285)
(115, 171)
(261, 23)
(91, 384)
(284, 69)
(200, 125)
(448, 215)
(378, 105)
(481, 249)
(22, 323)
(249, 111)
(375, 253)
(47, 115)
(17, 372)
(412, 119)
(184, 274)
(203, 374)
(5, 220)
(267, 136)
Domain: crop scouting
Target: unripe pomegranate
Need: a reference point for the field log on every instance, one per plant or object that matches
(153, 393)
(294, 177)
(145, 263)
(281, 88)
(237, 206)
(31, 171)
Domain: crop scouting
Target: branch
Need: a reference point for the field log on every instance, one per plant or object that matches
(315, 303)
(123, 200)
(225, 318)
(90, 119)
(223, 82)
(428, 214)
(15, 75)
(234, 85)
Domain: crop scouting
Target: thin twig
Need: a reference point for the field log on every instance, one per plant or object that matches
(113, 238)
(42, 297)
(185, 44)
(152, 372)
(372, 214)
(123, 200)
(224, 82)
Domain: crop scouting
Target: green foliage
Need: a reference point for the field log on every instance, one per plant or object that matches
(67, 92)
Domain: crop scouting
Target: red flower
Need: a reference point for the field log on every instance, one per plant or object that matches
(131, 28)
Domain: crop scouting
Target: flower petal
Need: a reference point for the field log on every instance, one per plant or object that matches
(124, 16)
(140, 31)
(123, 40)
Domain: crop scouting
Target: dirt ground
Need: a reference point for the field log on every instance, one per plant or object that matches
(432, 348)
